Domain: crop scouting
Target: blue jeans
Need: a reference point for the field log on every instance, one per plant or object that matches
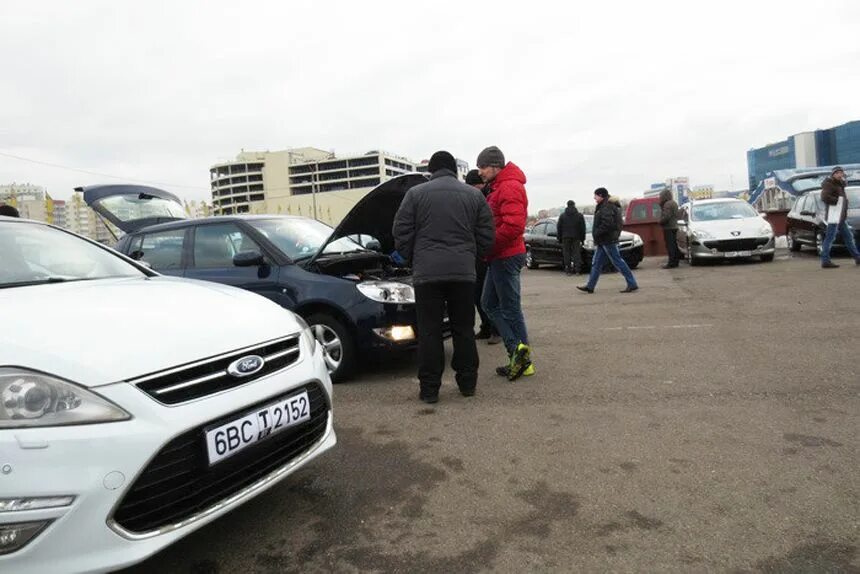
(830, 237)
(502, 300)
(611, 251)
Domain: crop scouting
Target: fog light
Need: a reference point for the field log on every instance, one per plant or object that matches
(13, 537)
(397, 333)
(40, 503)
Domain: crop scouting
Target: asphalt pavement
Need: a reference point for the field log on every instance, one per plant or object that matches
(707, 423)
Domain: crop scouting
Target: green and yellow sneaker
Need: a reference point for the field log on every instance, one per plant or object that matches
(521, 360)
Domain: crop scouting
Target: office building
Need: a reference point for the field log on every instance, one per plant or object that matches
(833, 146)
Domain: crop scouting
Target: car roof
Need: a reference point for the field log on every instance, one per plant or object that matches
(215, 219)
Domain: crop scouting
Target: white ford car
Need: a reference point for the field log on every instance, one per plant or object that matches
(135, 408)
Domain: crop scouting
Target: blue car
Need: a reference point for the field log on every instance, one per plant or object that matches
(359, 300)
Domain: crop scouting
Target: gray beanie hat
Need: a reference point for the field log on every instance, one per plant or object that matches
(491, 157)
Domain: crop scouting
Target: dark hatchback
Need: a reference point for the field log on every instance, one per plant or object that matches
(806, 220)
(357, 301)
(543, 247)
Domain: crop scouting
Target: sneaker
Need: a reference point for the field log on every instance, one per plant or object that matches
(520, 361)
(829, 265)
(494, 340)
(506, 371)
(530, 370)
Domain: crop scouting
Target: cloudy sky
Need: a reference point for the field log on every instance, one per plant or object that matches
(615, 94)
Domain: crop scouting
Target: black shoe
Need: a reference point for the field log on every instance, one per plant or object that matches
(503, 371)
(585, 288)
(829, 265)
(629, 289)
(429, 399)
(483, 334)
(669, 266)
(467, 392)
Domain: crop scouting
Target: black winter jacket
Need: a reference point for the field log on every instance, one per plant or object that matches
(571, 224)
(442, 226)
(607, 222)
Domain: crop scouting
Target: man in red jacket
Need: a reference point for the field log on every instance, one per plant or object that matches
(501, 298)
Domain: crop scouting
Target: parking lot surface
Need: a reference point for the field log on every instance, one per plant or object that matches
(708, 422)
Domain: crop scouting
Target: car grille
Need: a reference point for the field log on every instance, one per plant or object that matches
(179, 483)
(209, 376)
(748, 244)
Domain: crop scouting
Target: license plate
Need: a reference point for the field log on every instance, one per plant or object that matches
(738, 253)
(230, 438)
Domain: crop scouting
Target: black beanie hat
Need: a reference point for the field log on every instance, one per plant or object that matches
(491, 157)
(474, 177)
(836, 170)
(442, 160)
(602, 192)
(571, 203)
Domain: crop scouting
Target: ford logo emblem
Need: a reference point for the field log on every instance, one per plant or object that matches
(735, 233)
(246, 366)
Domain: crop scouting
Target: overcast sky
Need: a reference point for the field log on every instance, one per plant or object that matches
(614, 94)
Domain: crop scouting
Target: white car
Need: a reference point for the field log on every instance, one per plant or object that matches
(136, 408)
(724, 229)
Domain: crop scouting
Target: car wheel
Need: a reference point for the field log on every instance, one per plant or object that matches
(337, 345)
(767, 258)
(633, 264)
(793, 245)
(530, 260)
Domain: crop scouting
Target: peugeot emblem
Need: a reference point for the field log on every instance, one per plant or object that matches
(735, 233)
(246, 366)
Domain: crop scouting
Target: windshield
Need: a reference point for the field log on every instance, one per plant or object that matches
(133, 206)
(34, 254)
(302, 238)
(723, 210)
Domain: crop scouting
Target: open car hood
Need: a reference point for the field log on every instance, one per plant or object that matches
(141, 207)
(374, 213)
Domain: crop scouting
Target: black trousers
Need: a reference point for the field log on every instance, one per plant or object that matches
(431, 300)
(486, 322)
(671, 238)
(571, 250)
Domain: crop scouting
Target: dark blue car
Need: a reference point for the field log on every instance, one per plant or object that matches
(357, 300)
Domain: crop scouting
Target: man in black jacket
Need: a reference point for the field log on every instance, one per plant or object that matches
(606, 230)
(442, 226)
(669, 223)
(571, 234)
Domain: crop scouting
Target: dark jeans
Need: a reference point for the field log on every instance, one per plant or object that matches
(502, 300)
(571, 249)
(611, 252)
(671, 238)
(431, 300)
(486, 323)
(847, 237)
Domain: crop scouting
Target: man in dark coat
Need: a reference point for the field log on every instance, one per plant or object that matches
(442, 226)
(606, 230)
(571, 234)
(669, 222)
(488, 330)
(833, 195)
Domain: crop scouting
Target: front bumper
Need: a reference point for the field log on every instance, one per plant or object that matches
(98, 464)
(732, 248)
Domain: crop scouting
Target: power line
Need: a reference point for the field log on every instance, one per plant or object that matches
(98, 174)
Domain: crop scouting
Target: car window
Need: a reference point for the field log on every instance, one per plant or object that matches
(723, 210)
(539, 229)
(162, 250)
(639, 212)
(216, 245)
(551, 227)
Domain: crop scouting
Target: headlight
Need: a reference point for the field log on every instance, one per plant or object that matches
(387, 291)
(307, 334)
(637, 241)
(702, 234)
(766, 230)
(29, 399)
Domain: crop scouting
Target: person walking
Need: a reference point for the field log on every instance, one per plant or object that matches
(441, 227)
(833, 195)
(606, 230)
(502, 290)
(487, 331)
(571, 234)
(669, 222)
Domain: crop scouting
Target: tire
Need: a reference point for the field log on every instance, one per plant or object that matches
(767, 258)
(530, 260)
(793, 244)
(633, 264)
(337, 343)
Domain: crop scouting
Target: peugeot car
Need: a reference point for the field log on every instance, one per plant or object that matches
(358, 300)
(724, 229)
(136, 408)
(543, 247)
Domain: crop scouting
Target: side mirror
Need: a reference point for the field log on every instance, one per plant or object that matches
(248, 259)
(374, 245)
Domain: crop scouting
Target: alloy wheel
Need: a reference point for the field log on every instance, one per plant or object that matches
(331, 345)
